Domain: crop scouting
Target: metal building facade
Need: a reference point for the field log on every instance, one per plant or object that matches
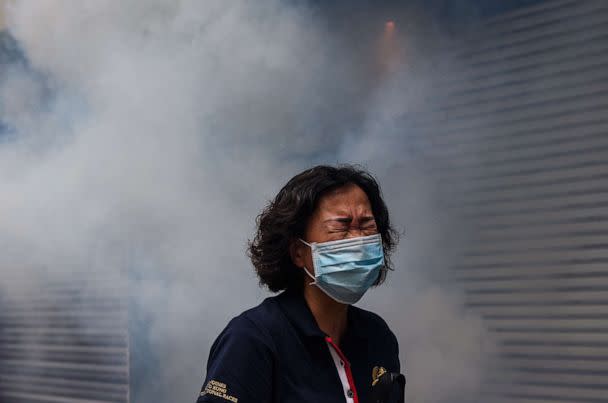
(65, 343)
(522, 136)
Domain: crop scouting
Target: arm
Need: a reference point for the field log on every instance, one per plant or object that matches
(239, 366)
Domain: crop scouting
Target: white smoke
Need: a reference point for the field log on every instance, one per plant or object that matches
(150, 134)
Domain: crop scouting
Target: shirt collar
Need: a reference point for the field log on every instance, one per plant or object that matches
(299, 314)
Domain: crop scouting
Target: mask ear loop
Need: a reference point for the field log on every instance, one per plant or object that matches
(314, 280)
(304, 242)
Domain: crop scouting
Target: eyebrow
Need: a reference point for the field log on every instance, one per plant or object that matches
(349, 219)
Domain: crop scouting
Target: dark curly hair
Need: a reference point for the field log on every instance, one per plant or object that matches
(285, 218)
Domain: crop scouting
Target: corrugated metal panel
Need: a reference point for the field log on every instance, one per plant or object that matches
(522, 139)
(64, 343)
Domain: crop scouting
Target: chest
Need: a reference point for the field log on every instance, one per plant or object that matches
(311, 371)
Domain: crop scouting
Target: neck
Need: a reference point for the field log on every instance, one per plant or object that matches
(329, 314)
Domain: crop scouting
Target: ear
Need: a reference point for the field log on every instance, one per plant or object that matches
(296, 251)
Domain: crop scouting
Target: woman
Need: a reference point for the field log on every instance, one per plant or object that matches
(323, 241)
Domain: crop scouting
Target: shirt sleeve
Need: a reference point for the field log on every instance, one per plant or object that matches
(396, 364)
(240, 366)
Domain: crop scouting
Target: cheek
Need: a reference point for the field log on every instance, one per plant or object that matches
(308, 261)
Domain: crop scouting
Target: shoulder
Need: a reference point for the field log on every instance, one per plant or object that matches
(254, 324)
(372, 324)
(245, 335)
(264, 313)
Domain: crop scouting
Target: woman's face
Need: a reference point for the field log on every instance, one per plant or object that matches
(342, 213)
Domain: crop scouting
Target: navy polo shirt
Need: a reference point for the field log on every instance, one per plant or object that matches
(276, 352)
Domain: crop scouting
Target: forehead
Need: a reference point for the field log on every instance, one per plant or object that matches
(347, 199)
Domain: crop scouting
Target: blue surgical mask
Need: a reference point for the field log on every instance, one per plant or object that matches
(347, 268)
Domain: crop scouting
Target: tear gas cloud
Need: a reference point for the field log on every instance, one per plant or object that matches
(144, 138)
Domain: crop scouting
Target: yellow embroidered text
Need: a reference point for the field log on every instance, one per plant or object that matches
(218, 389)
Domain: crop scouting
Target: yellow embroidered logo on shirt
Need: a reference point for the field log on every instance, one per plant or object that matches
(218, 389)
(377, 372)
